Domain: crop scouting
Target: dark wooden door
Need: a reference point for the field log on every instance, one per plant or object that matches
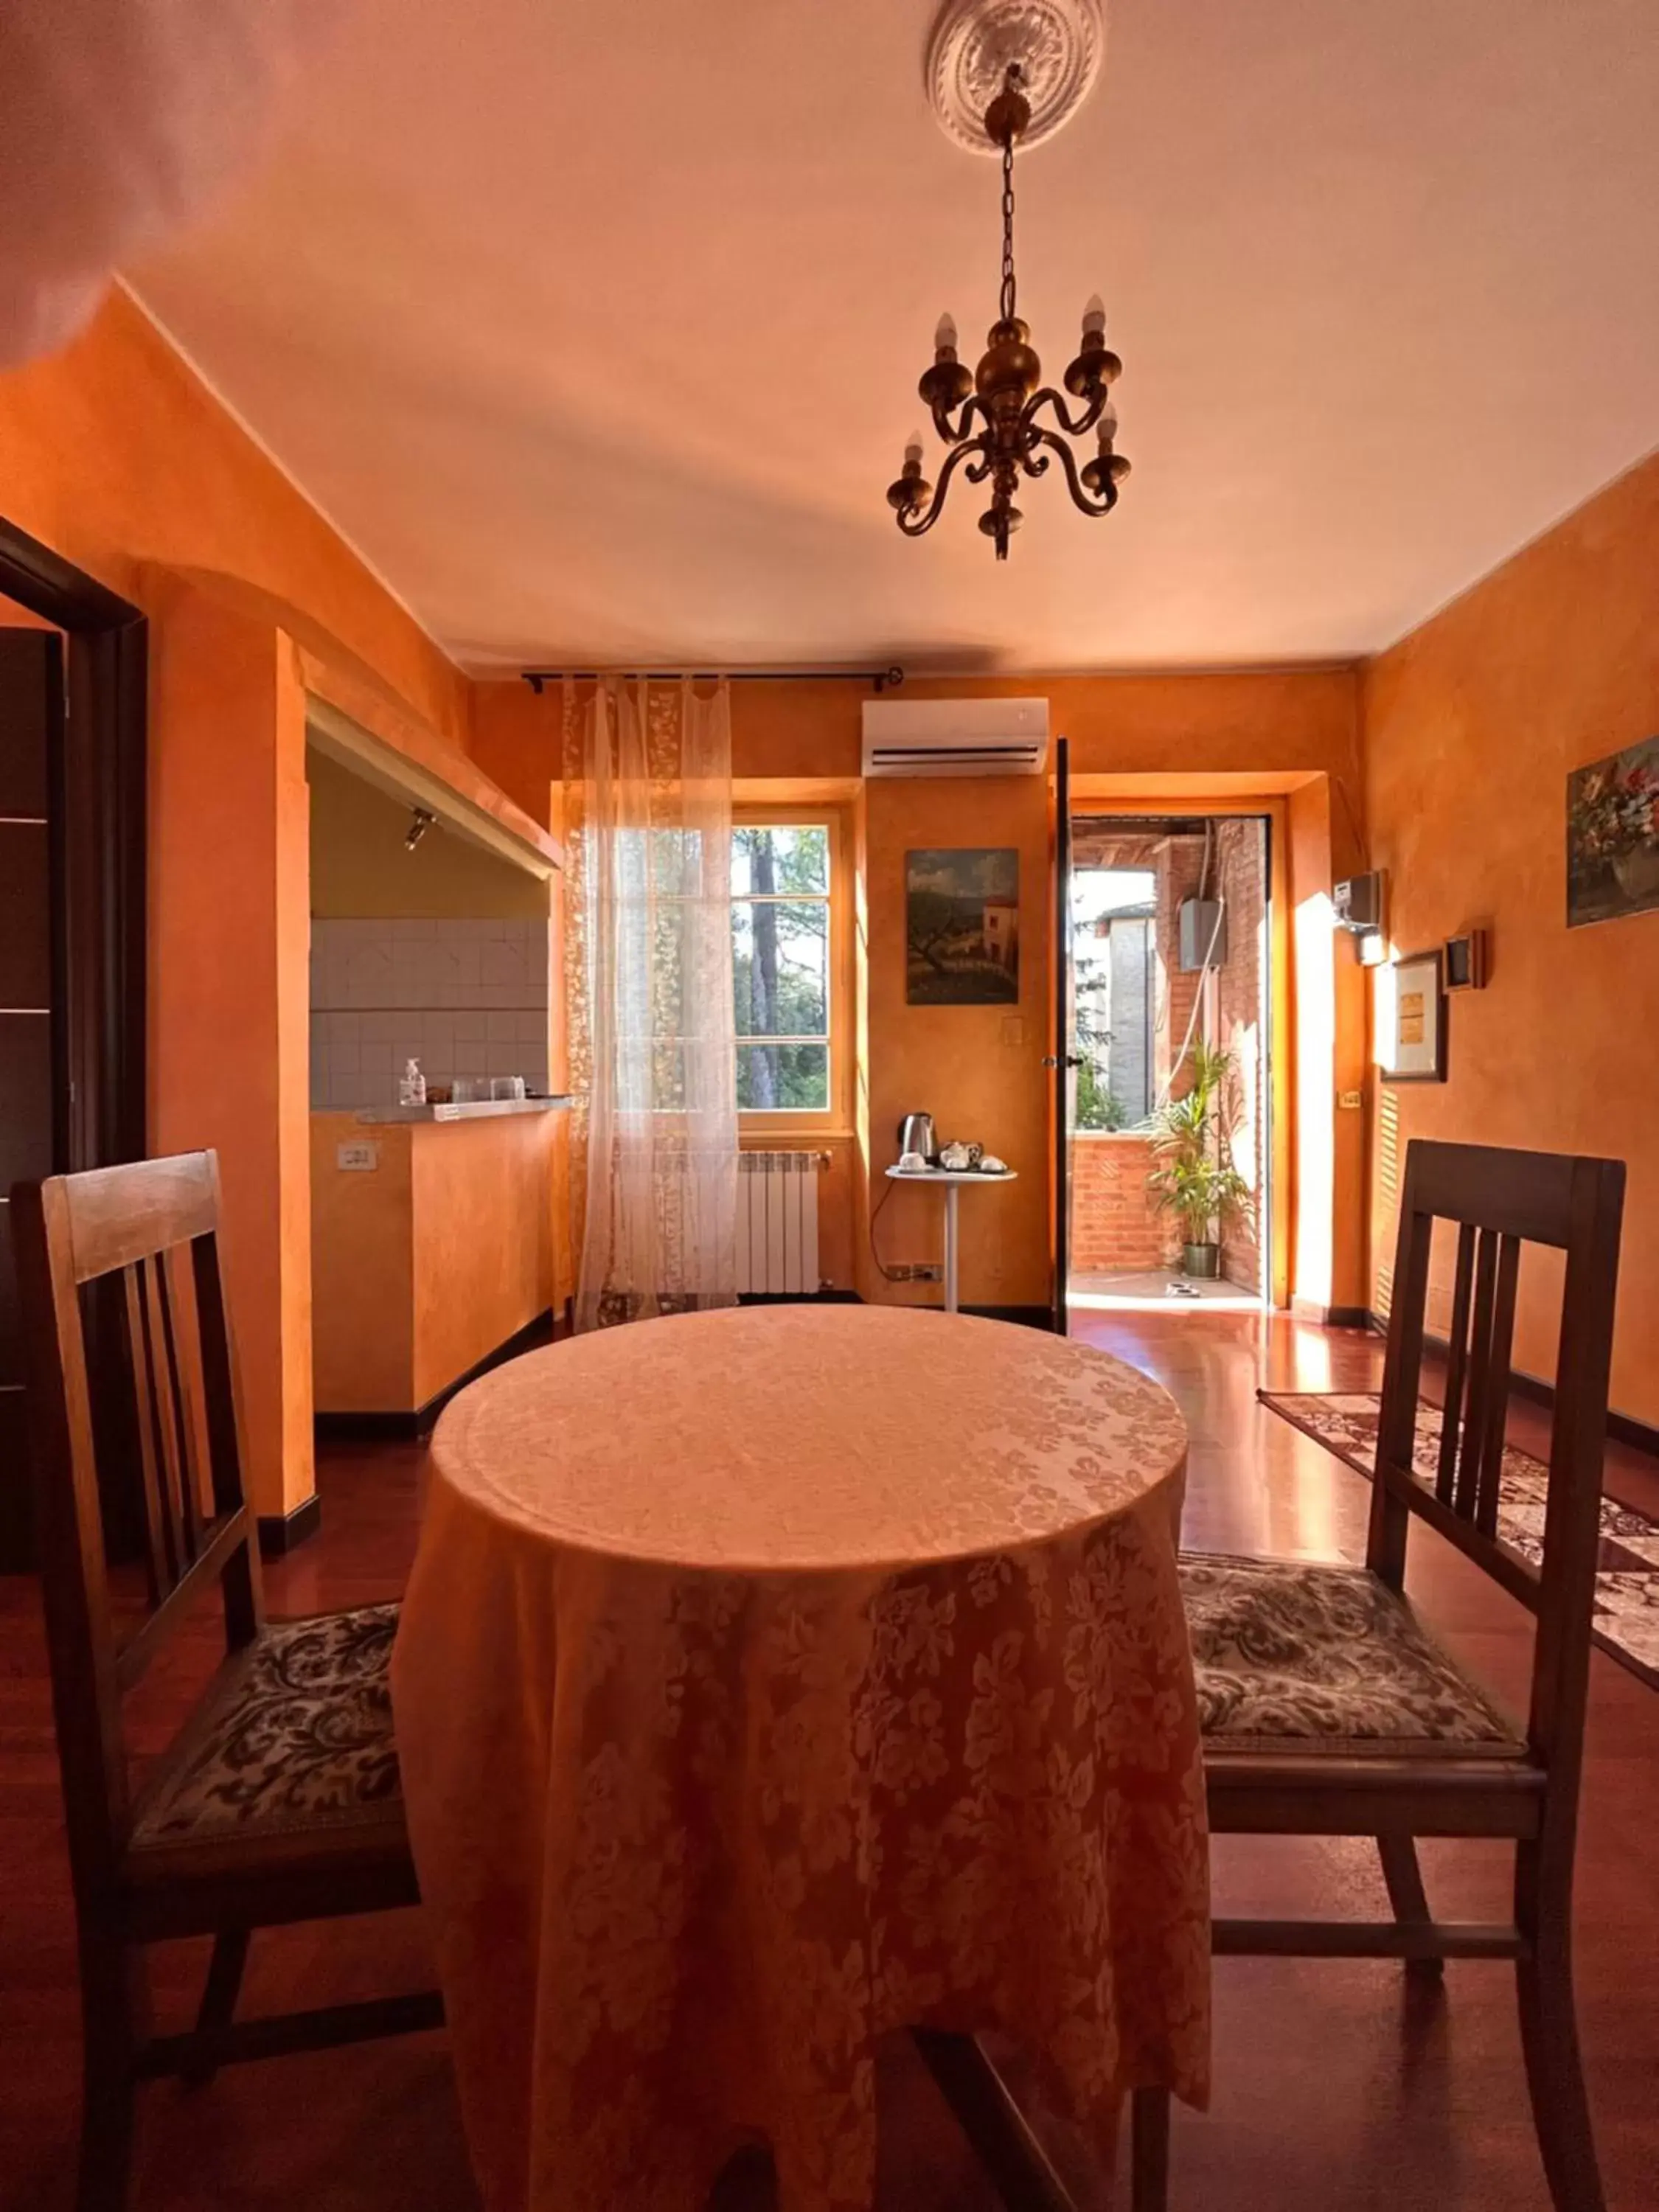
(1062, 1059)
(34, 1088)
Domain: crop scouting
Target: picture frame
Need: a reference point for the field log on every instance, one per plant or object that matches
(1466, 961)
(1411, 1018)
(961, 926)
(1613, 835)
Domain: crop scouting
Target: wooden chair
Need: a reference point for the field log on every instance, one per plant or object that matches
(279, 1800)
(1329, 1711)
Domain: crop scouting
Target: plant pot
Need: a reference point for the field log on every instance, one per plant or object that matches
(1202, 1259)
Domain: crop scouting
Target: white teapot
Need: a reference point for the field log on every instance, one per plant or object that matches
(957, 1159)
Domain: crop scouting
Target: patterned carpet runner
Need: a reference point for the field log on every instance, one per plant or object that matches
(1625, 1619)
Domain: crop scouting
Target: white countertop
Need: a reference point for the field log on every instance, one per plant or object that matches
(951, 1175)
(467, 1110)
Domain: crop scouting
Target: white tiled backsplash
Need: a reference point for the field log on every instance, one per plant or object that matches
(464, 998)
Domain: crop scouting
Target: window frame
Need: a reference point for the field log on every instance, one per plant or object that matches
(833, 1119)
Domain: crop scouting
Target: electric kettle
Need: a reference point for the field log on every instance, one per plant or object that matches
(915, 1135)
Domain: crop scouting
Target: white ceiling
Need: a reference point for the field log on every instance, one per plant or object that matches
(597, 328)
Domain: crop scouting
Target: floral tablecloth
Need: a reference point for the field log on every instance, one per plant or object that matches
(773, 1679)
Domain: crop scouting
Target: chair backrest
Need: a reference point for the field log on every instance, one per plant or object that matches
(1500, 1200)
(128, 1230)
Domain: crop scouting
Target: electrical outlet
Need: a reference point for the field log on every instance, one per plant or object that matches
(361, 1158)
(930, 1272)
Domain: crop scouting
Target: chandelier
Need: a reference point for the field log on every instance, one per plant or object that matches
(1004, 396)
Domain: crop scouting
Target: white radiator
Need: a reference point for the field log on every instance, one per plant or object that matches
(778, 1223)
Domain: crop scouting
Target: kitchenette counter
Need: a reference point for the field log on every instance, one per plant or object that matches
(438, 1235)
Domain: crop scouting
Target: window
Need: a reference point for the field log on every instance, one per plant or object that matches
(785, 966)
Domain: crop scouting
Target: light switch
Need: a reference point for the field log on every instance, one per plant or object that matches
(1013, 1028)
(1353, 1100)
(362, 1160)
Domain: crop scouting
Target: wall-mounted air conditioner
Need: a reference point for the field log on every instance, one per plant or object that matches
(955, 736)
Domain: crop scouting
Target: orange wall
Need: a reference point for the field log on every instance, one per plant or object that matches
(479, 1278)
(228, 998)
(515, 739)
(977, 1070)
(1286, 723)
(1471, 724)
(362, 1257)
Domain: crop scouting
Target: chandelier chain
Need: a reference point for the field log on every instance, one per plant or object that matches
(1008, 227)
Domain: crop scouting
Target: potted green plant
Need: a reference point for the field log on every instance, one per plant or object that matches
(1195, 1179)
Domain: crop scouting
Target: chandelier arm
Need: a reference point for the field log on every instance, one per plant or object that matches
(942, 419)
(930, 515)
(1080, 498)
(1085, 422)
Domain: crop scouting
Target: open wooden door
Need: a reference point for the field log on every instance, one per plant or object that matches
(34, 1086)
(73, 909)
(1061, 1059)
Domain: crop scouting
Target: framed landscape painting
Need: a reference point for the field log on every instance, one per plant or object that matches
(961, 926)
(1613, 835)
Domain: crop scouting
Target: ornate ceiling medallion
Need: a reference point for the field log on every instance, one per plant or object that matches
(1057, 43)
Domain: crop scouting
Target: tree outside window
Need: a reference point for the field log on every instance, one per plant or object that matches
(781, 973)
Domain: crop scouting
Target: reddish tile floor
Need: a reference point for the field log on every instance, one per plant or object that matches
(1335, 2088)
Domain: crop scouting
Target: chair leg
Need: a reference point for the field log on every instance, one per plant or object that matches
(1149, 2150)
(1549, 2037)
(224, 1980)
(1409, 1899)
(114, 2021)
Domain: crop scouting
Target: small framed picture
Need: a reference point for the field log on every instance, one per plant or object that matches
(1466, 961)
(1411, 1018)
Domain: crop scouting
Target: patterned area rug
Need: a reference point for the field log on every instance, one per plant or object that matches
(1625, 1620)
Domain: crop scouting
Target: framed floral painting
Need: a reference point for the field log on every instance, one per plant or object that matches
(1613, 835)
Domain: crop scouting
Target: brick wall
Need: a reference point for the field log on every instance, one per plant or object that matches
(1179, 865)
(1241, 998)
(1115, 1227)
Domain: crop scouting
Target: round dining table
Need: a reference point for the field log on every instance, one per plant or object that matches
(771, 1679)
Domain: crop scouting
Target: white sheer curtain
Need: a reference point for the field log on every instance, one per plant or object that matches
(648, 888)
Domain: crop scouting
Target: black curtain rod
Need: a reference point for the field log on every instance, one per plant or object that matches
(882, 679)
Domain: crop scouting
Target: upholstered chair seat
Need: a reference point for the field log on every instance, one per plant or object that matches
(1295, 1656)
(295, 1735)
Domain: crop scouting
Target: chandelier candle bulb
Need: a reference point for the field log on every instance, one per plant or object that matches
(944, 338)
(1094, 318)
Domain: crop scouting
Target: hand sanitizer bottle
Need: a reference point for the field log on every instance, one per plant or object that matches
(411, 1087)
